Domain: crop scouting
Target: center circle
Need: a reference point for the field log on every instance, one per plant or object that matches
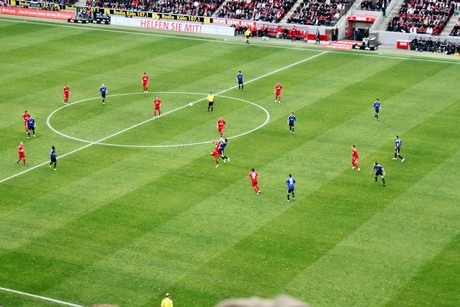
(101, 141)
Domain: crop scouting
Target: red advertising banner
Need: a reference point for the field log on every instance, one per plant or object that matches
(362, 17)
(63, 15)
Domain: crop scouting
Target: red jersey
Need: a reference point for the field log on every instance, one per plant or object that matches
(21, 152)
(157, 104)
(221, 124)
(253, 176)
(215, 153)
(25, 117)
(66, 91)
(145, 79)
(278, 88)
(354, 153)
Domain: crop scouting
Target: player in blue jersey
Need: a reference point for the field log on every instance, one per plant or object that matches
(53, 157)
(376, 107)
(222, 145)
(291, 121)
(379, 171)
(239, 79)
(290, 181)
(103, 91)
(30, 126)
(398, 143)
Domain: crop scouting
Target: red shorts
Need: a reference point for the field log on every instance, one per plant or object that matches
(22, 155)
(278, 93)
(215, 154)
(156, 108)
(254, 183)
(220, 130)
(145, 83)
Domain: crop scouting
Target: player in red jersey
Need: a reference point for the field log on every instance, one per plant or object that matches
(156, 107)
(221, 125)
(278, 88)
(21, 154)
(25, 118)
(66, 91)
(216, 153)
(254, 176)
(354, 157)
(145, 82)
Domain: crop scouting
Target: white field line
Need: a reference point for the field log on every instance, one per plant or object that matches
(117, 133)
(141, 123)
(165, 113)
(40, 297)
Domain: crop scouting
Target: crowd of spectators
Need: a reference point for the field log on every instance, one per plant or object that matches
(319, 12)
(187, 7)
(257, 10)
(181, 7)
(52, 5)
(422, 16)
(137, 5)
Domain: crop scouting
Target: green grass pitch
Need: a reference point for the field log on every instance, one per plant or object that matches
(140, 215)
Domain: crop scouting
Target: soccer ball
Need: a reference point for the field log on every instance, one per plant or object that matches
(190, 104)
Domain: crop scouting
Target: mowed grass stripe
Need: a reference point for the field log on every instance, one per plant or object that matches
(170, 205)
(135, 251)
(313, 222)
(38, 109)
(370, 266)
(79, 193)
(39, 118)
(308, 183)
(119, 214)
(442, 270)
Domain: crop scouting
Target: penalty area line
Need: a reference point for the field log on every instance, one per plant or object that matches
(43, 298)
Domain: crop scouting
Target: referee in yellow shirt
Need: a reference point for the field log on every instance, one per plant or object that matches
(167, 302)
(247, 34)
(211, 102)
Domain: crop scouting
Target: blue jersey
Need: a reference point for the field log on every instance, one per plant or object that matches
(376, 105)
(239, 77)
(291, 119)
(53, 154)
(398, 143)
(31, 122)
(290, 183)
(222, 145)
(378, 169)
(103, 90)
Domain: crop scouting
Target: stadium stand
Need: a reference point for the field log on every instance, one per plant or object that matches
(422, 16)
(258, 10)
(182, 7)
(319, 12)
(187, 7)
